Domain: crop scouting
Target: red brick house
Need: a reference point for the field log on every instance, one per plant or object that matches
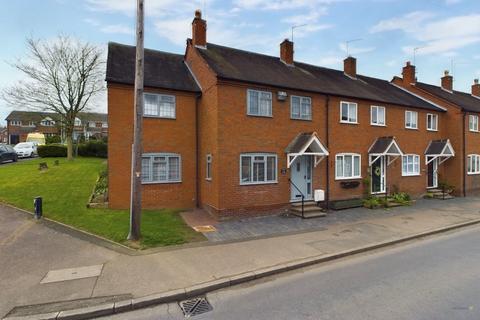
(461, 126)
(21, 123)
(241, 133)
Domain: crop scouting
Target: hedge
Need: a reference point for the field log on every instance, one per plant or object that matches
(93, 148)
(52, 150)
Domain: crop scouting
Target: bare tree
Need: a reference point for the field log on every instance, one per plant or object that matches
(62, 76)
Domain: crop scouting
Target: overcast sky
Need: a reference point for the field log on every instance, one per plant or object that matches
(446, 31)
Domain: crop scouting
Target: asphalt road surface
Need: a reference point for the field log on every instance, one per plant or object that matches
(437, 278)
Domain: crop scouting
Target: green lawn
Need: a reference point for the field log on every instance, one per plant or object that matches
(65, 190)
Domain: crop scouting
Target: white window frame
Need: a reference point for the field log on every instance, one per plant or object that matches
(473, 123)
(158, 113)
(473, 164)
(208, 167)
(252, 159)
(92, 124)
(349, 116)
(15, 122)
(416, 119)
(168, 156)
(302, 116)
(384, 116)
(353, 176)
(77, 122)
(259, 92)
(104, 124)
(415, 163)
(434, 117)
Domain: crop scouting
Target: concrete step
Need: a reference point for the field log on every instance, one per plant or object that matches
(441, 197)
(305, 203)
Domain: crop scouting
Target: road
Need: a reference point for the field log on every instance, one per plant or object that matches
(437, 278)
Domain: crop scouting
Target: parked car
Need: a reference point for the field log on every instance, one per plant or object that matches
(36, 137)
(26, 149)
(7, 153)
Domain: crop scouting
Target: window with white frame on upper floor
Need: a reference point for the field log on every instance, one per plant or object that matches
(410, 165)
(15, 122)
(377, 116)
(259, 103)
(258, 168)
(473, 164)
(473, 123)
(347, 166)
(301, 108)
(348, 112)
(432, 122)
(78, 122)
(47, 122)
(411, 119)
(159, 105)
(161, 168)
(104, 124)
(92, 124)
(31, 124)
(208, 173)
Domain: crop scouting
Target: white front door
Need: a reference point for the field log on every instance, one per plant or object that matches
(432, 174)
(301, 177)
(378, 175)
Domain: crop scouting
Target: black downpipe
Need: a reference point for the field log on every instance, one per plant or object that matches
(327, 189)
(464, 155)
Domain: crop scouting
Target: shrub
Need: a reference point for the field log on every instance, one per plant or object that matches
(94, 148)
(52, 150)
(53, 139)
(371, 203)
(401, 197)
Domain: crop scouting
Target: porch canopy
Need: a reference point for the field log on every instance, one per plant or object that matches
(306, 144)
(439, 149)
(384, 146)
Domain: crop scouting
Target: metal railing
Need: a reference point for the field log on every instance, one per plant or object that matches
(301, 195)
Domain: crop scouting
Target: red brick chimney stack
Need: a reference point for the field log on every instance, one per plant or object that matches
(408, 74)
(286, 51)
(350, 67)
(476, 88)
(447, 81)
(199, 30)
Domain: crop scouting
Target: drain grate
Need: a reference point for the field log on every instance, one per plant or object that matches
(195, 307)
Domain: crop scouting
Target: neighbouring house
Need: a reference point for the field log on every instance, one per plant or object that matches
(3, 135)
(460, 125)
(240, 133)
(21, 123)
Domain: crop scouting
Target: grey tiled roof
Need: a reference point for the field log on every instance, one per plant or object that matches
(465, 100)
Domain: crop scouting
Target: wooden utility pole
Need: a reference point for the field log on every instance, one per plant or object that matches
(137, 147)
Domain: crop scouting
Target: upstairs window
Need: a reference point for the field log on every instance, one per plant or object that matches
(159, 105)
(411, 119)
(258, 168)
(377, 116)
(348, 112)
(259, 103)
(432, 122)
(31, 124)
(92, 124)
(347, 166)
(161, 168)
(104, 124)
(411, 165)
(78, 122)
(15, 122)
(473, 123)
(473, 164)
(301, 108)
(47, 122)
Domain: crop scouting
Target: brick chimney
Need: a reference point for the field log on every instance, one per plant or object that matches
(199, 30)
(447, 81)
(286, 51)
(476, 88)
(408, 74)
(350, 67)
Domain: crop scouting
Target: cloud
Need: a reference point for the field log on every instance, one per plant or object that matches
(353, 50)
(434, 37)
(331, 60)
(280, 4)
(310, 17)
(152, 7)
(450, 2)
(118, 28)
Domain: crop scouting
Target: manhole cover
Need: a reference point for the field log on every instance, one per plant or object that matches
(195, 307)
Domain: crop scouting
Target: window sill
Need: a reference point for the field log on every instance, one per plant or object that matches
(431, 130)
(474, 131)
(208, 179)
(473, 174)
(157, 117)
(300, 119)
(346, 122)
(257, 183)
(411, 175)
(161, 182)
(348, 178)
(259, 116)
(377, 125)
(411, 128)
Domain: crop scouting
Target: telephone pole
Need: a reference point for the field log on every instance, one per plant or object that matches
(137, 148)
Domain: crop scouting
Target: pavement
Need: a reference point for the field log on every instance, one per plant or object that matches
(432, 279)
(30, 251)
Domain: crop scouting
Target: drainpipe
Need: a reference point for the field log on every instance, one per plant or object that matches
(197, 153)
(464, 155)
(327, 189)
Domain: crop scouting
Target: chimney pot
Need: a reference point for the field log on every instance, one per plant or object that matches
(408, 74)
(199, 30)
(286, 52)
(476, 88)
(350, 67)
(447, 81)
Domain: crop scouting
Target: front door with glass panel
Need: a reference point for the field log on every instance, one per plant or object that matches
(301, 176)
(432, 174)
(378, 175)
